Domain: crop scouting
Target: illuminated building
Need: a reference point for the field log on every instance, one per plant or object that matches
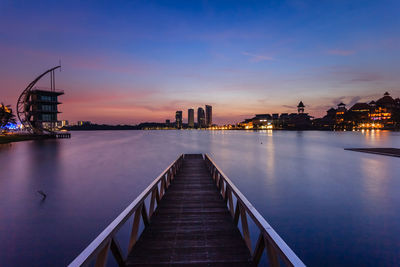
(246, 124)
(37, 108)
(43, 108)
(201, 120)
(178, 119)
(382, 113)
(191, 118)
(359, 113)
(82, 123)
(61, 124)
(262, 121)
(208, 115)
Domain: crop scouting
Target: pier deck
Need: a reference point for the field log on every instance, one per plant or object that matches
(191, 224)
(392, 152)
(191, 215)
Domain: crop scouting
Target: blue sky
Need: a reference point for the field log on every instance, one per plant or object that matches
(134, 61)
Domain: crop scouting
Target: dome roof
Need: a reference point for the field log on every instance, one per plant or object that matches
(385, 100)
(301, 105)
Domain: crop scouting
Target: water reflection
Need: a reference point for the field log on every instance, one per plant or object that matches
(320, 198)
(375, 173)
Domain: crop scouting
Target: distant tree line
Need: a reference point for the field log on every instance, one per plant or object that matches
(96, 127)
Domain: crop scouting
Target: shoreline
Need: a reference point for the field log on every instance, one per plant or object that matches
(11, 138)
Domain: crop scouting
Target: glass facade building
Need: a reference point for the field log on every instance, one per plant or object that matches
(208, 115)
(178, 119)
(201, 120)
(191, 118)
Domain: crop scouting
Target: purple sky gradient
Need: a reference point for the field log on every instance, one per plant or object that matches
(141, 61)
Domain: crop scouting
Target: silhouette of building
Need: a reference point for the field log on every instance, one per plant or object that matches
(300, 107)
(208, 115)
(178, 119)
(191, 118)
(201, 120)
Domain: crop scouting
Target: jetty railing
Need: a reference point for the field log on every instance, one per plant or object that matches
(99, 249)
(268, 239)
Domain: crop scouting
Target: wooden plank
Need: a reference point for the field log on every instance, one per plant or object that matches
(191, 224)
(285, 252)
(95, 247)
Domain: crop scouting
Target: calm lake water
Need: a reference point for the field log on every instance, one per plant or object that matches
(332, 207)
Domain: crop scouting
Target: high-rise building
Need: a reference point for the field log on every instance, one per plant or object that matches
(201, 120)
(208, 115)
(190, 118)
(178, 119)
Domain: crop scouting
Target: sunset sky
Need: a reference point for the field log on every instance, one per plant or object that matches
(137, 61)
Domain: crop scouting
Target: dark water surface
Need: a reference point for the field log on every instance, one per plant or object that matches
(333, 207)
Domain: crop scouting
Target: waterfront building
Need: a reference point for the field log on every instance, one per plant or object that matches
(382, 113)
(340, 116)
(37, 108)
(384, 110)
(191, 118)
(283, 119)
(275, 120)
(299, 120)
(208, 115)
(359, 114)
(327, 122)
(178, 119)
(61, 124)
(262, 121)
(83, 123)
(246, 124)
(201, 120)
(300, 107)
(44, 108)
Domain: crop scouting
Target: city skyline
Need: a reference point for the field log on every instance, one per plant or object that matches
(136, 62)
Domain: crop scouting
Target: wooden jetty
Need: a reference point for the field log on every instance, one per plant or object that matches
(63, 135)
(192, 218)
(392, 152)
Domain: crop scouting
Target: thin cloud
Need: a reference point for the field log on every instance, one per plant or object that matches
(257, 58)
(340, 52)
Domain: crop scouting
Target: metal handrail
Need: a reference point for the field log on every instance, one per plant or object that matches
(275, 247)
(98, 249)
(268, 237)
